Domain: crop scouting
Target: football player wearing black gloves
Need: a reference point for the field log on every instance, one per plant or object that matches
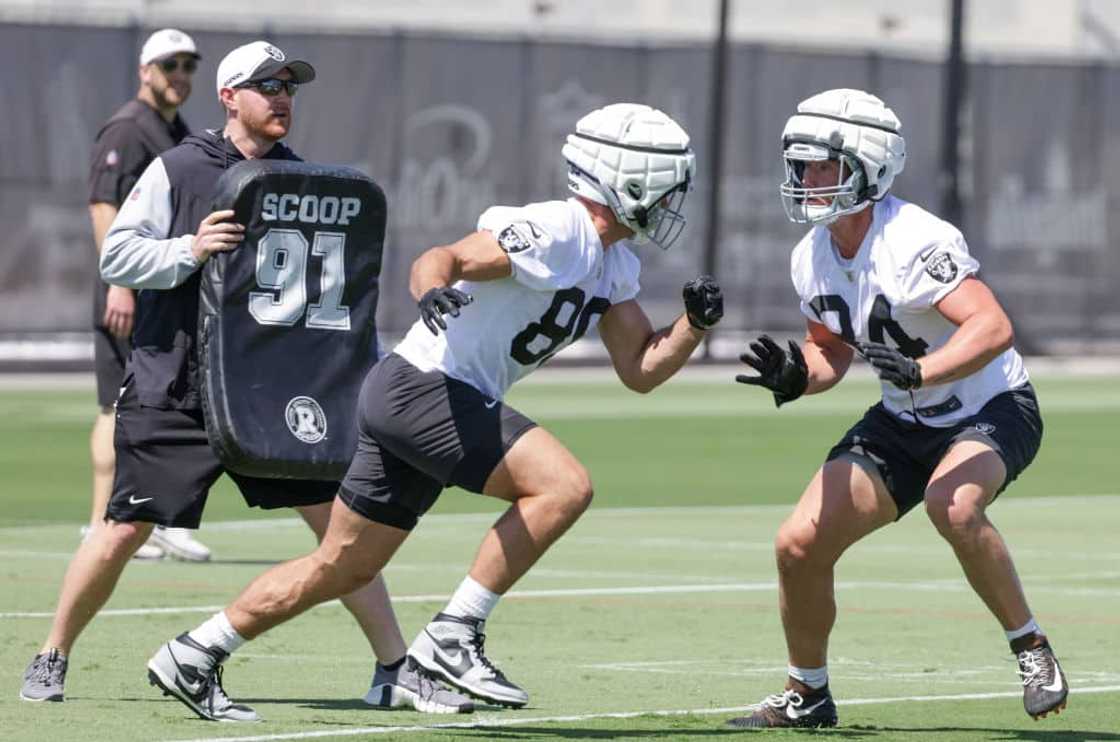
(528, 282)
(958, 421)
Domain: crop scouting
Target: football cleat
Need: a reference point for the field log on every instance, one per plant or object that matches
(450, 647)
(1044, 684)
(44, 677)
(192, 673)
(411, 686)
(792, 709)
(180, 543)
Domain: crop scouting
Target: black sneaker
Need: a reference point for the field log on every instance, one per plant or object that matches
(450, 647)
(44, 677)
(192, 673)
(1044, 684)
(791, 709)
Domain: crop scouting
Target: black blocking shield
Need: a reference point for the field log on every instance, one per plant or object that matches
(287, 328)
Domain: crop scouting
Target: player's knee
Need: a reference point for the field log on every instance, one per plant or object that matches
(956, 518)
(576, 492)
(123, 539)
(793, 548)
(343, 569)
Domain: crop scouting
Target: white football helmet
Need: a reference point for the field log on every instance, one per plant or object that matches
(857, 130)
(637, 161)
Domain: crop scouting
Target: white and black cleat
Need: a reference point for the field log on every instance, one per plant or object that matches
(451, 647)
(192, 673)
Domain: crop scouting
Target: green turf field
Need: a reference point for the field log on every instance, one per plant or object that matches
(654, 618)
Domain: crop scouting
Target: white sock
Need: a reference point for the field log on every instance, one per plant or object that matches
(217, 631)
(814, 677)
(1030, 627)
(471, 600)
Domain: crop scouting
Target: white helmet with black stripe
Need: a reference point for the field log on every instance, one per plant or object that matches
(637, 161)
(850, 126)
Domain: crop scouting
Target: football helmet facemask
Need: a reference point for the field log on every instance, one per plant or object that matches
(637, 161)
(857, 130)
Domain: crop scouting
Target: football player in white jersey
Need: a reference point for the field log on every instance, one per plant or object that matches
(958, 420)
(527, 283)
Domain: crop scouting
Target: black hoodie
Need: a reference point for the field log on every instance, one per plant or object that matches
(164, 360)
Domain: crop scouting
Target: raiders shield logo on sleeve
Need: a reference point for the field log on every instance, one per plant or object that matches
(942, 268)
(511, 241)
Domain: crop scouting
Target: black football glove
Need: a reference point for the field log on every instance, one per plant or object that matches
(782, 372)
(892, 366)
(703, 302)
(439, 301)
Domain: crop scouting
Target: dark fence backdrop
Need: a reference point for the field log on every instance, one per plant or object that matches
(449, 126)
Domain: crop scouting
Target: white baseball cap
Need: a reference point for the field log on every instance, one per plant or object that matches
(167, 42)
(259, 60)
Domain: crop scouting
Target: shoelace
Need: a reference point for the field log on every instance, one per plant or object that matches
(785, 698)
(476, 642)
(1034, 667)
(214, 691)
(48, 670)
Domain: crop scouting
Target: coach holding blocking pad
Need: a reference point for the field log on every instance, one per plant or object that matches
(164, 233)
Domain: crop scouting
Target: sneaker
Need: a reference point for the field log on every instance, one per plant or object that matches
(791, 709)
(44, 677)
(1044, 684)
(410, 686)
(185, 669)
(450, 647)
(180, 543)
(148, 550)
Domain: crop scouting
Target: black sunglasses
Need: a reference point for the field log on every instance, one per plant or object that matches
(170, 65)
(272, 86)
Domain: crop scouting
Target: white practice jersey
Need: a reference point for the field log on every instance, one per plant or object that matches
(563, 281)
(909, 261)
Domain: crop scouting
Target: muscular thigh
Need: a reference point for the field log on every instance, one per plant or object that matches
(846, 500)
(537, 462)
(419, 432)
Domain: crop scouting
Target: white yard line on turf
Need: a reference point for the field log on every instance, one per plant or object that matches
(1007, 501)
(494, 722)
(736, 587)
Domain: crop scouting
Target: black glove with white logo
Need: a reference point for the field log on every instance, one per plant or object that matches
(703, 302)
(782, 372)
(891, 365)
(439, 301)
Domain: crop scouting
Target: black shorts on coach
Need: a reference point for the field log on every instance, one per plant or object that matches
(419, 432)
(165, 468)
(907, 453)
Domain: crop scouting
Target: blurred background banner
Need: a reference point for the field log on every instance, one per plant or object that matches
(450, 123)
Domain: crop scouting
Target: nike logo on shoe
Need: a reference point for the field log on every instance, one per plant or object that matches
(457, 661)
(1056, 685)
(797, 713)
(491, 404)
(134, 500)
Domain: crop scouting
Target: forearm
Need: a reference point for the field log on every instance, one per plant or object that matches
(436, 267)
(133, 260)
(101, 215)
(664, 353)
(976, 342)
(826, 367)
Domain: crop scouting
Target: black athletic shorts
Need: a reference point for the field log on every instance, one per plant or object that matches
(165, 468)
(109, 355)
(419, 432)
(907, 453)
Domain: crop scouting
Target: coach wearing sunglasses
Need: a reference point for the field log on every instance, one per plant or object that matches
(126, 144)
(165, 231)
